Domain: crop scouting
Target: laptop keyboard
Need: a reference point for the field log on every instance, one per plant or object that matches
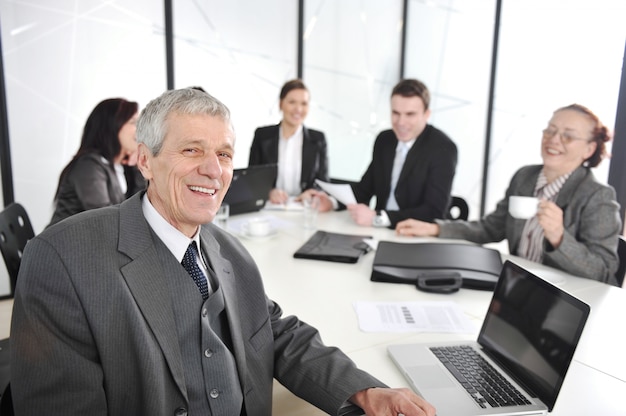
(478, 377)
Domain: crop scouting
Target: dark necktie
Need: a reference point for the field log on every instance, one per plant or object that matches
(191, 265)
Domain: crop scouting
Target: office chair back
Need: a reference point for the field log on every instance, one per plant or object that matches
(458, 210)
(6, 401)
(621, 253)
(15, 231)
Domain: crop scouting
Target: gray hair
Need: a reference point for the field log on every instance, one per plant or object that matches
(152, 123)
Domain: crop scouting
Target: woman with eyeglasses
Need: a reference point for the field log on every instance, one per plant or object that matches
(577, 223)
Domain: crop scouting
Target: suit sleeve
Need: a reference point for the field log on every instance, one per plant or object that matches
(321, 375)
(55, 368)
(493, 227)
(589, 248)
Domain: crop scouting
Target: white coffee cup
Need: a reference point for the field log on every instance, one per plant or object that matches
(523, 207)
(257, 227)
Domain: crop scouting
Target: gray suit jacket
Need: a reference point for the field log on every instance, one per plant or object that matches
(590, 216)
(93, 329)
(90, 183)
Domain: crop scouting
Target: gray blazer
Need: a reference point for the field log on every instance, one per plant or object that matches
(93, 328)
(90, 183)
(590, 216)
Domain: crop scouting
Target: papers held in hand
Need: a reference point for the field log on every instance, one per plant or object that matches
(342, 192)
(479, 267)
(340, 248)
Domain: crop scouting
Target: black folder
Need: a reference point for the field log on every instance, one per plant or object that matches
(479, 267)
(340, 248)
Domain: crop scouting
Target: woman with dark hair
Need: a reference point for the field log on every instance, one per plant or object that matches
(577, 222)
(300, 152)
(103, 170)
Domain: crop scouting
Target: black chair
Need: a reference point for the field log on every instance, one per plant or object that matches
(6, 402)
(458, 210)
(15, 231)
(621, 253)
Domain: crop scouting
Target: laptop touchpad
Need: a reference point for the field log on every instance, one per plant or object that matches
(429, 377)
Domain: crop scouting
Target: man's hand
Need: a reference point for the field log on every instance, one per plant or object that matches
(325, 202)
(392, 402)
(417, 228)
(278, 196)
(361, 214)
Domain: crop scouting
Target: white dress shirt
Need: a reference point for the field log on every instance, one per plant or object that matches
(290, 162)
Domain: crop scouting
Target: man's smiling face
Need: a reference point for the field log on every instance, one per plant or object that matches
(192, 172)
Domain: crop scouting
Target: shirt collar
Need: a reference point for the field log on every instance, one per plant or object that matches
(296, 134)
(543, 189)
(175, 241)
(408, 144)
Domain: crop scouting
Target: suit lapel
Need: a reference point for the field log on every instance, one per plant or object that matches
(415, 154)
(308, 157)
(272, 150)
(226, 277)
(146, 281)
(567, 192)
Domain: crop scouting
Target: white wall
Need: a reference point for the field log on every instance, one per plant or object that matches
(62, 57)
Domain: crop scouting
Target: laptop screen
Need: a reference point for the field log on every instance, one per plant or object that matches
(532, 328)
(250, 188)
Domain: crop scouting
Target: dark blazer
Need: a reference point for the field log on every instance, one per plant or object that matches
(93, 329)
(264, 150)
(425, 182)
(90, 183)
(590, 216)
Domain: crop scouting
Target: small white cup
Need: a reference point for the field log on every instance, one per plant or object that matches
(257, 227)
(523, 207)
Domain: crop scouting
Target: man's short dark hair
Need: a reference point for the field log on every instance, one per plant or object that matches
(412, 88)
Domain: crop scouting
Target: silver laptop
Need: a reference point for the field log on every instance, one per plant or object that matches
(529, 336)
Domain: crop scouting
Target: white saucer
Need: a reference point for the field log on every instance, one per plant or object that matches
(267, 236)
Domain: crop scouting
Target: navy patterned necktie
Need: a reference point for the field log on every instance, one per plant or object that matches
(191, 265)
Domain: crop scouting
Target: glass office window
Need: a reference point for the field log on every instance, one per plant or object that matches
(242, 52)
(552, 53)
(351, 63)
(60, 59)
(448, 47)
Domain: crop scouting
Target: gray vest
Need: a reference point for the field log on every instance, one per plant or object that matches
(211, 373)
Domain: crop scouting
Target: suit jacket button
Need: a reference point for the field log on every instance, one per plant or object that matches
(181, 411)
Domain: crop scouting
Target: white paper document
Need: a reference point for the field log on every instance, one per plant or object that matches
(342, 192)
(290, 205)
(412, 317)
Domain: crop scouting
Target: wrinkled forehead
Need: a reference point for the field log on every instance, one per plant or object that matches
(573, 120)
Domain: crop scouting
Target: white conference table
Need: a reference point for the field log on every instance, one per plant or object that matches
(322, 294)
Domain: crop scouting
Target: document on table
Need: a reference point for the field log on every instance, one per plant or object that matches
(342, 192)
(290, 205)
(443, 316)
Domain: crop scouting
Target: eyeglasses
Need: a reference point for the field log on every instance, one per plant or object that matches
(565, 137)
